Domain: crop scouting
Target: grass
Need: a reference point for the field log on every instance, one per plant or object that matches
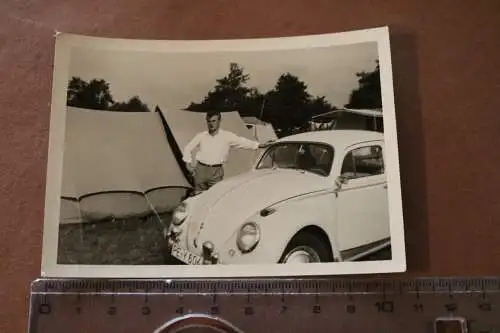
(137, 241)
(124, 242)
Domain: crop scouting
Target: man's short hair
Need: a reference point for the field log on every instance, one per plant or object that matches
(213, 113)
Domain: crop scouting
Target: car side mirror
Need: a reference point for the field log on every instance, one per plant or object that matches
(341, 180)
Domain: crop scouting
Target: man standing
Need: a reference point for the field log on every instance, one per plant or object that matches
(214, 145)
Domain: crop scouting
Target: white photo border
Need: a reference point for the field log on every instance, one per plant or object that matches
(64, 42)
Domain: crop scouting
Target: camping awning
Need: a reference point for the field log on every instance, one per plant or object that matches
(333, 114)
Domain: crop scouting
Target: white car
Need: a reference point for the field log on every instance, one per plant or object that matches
(311, 197)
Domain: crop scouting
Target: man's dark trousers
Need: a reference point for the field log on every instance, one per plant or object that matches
(206, 176)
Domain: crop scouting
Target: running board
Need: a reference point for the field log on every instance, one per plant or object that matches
(358, 253)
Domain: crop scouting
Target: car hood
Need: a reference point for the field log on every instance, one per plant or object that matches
(217, 213)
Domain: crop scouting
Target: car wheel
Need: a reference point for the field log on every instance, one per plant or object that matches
(305, 248)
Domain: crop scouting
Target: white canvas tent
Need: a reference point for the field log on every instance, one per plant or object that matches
(261, 131)
(117, 165)
(186, 124)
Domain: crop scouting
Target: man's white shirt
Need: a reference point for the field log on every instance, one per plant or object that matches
(214, 149)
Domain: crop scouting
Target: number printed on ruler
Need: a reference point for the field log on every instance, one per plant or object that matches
(256, 306)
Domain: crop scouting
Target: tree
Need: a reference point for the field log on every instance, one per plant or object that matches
(319, 105)
(368, 95)
(287, 106)
(229, 94)
(76, 86)
(92, 95)
(96, 95)
(134, 105)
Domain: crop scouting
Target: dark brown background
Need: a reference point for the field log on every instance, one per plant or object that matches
(446, 57)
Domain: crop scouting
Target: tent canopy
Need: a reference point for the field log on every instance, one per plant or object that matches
(117, 164)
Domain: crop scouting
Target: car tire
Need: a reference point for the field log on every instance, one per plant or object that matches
(306, 244)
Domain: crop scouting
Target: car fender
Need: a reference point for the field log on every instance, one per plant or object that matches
(288, 219)
(301, 219)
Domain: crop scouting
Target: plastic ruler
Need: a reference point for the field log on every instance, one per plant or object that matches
(369, 305)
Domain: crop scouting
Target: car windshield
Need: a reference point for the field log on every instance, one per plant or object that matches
(313, 157)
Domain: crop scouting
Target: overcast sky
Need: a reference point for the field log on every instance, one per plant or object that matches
(173, 80)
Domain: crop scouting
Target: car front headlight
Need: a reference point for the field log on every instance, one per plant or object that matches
(179, 214)
(248, 237)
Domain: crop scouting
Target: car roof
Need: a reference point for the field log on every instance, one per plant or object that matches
(336, 138)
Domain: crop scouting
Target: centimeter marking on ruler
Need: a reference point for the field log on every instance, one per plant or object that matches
(301, 286)
(412, 300)
(374, 299)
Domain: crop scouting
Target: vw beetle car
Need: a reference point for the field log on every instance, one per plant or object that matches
(311, 197)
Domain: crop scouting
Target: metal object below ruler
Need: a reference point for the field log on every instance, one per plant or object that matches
(449, 305)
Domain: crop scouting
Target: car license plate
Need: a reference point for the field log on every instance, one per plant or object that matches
(185, 256)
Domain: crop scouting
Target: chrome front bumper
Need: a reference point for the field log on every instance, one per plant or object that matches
(209, 253)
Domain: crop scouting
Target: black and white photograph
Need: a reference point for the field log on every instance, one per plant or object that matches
(223, 158)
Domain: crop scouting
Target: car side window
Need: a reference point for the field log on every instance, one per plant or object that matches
(315, 158)
(282, 156)
(363, 162)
